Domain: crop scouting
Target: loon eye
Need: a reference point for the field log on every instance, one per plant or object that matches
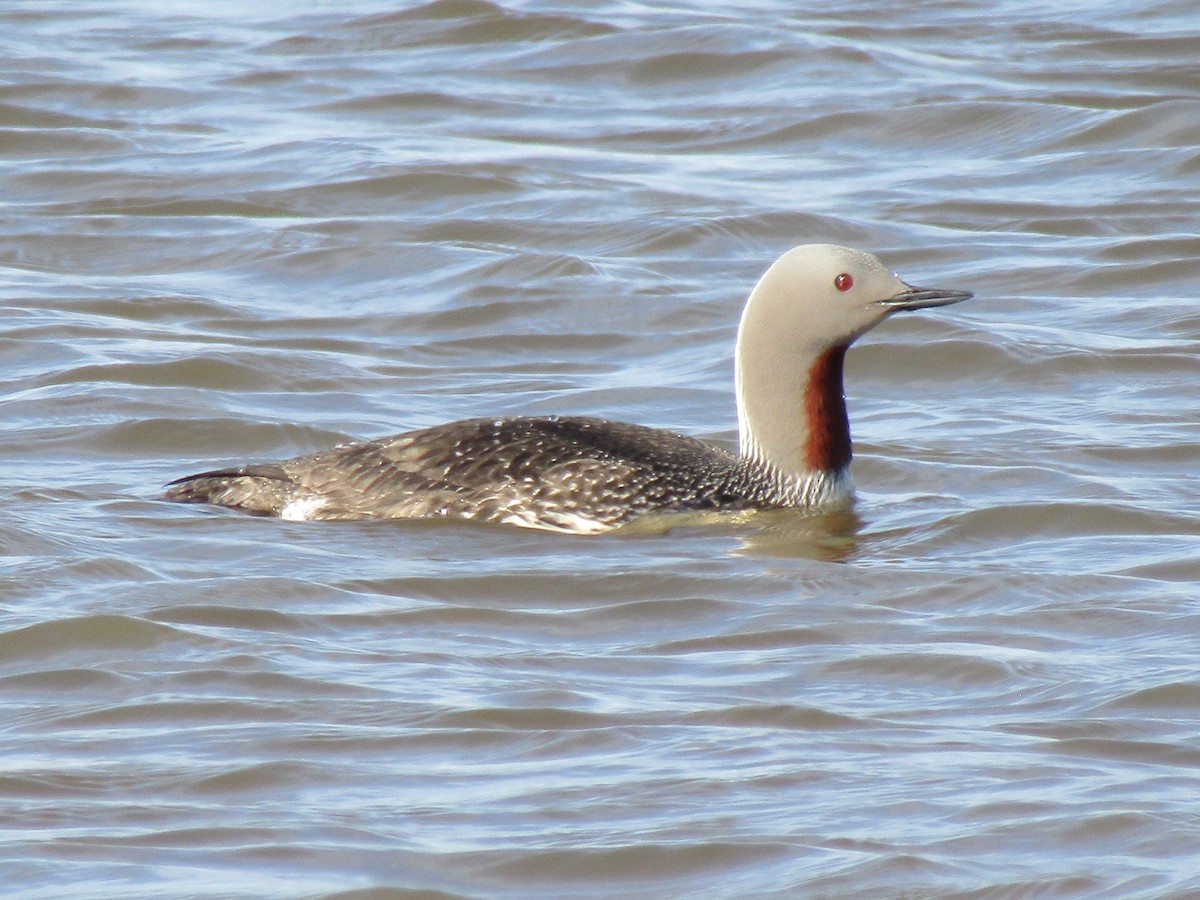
(843, 282)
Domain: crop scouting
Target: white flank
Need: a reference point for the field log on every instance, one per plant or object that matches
(569, 523)
(302, 509)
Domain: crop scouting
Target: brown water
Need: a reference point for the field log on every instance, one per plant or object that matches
(234, 236)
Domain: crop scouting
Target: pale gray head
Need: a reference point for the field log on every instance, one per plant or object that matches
(808, 307)
(823, 295)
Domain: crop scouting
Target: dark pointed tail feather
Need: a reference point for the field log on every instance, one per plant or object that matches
(263, 489)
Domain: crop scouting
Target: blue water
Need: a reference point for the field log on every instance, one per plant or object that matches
(245, 236)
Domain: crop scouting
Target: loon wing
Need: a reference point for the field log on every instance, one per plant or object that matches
(562, 473)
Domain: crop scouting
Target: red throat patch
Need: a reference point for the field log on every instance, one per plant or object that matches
(828, 445)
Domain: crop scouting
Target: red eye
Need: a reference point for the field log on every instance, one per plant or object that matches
(843, 282)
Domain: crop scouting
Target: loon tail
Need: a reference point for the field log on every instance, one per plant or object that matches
(263, 489)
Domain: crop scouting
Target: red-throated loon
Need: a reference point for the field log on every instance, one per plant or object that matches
(583, 475)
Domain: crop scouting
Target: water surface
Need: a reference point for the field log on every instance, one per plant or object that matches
(241, 237)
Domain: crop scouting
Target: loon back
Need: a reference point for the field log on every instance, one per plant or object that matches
(572, 474)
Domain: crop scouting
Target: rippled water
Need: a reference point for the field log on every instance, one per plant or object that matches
(232, 236)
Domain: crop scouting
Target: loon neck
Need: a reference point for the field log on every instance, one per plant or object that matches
(794, 423)
(827, 444)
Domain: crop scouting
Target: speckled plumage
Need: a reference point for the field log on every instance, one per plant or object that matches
(571, 474)
(585, 475)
